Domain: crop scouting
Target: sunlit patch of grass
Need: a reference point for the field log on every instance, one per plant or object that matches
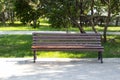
(99, 28)
(45, 26)
(114, 28)
(20, 27)
(14, 28)
(61, 54)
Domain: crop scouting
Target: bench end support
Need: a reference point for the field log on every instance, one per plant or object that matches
(100, 56)
(34, 56)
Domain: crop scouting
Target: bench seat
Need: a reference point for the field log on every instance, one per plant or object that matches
(87, 48)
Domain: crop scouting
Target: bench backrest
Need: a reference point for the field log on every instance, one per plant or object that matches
(66, 39)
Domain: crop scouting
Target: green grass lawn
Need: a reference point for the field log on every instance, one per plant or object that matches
(45, 26)
(20, 46)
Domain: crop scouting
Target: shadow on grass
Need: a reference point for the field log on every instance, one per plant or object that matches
(15, 46)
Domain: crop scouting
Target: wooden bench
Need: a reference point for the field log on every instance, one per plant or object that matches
(67, 42)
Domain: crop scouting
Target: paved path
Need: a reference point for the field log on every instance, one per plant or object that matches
(59, 69)
(30, 32)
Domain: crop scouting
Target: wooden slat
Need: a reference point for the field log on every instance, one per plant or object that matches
(64, 34)
(70, 37)
(72, 42)
(67, 44)
(64, 49)
(62, 39)
(67, 47)
(64, 43)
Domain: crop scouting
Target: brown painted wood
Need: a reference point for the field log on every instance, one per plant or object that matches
(67, 42)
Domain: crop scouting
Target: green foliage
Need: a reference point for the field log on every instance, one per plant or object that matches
(28, 11)
(56, 14)
(1, 7)
(113, 4)
(22, 10)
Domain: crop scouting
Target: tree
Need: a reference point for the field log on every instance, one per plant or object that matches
(92, 15)
(29, 11)
(112, 8)
(57, 14)
(6, 10)
(67, 11)
(2, 11)
(75, 13)
(10, 9)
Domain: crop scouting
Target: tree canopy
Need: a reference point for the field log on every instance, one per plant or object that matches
(62, 13)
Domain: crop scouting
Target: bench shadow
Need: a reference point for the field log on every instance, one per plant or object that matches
(75, 61)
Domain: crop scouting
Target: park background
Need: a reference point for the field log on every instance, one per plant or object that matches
(80, 16)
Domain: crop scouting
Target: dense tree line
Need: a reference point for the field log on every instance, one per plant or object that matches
(6, 11)
(61, 13)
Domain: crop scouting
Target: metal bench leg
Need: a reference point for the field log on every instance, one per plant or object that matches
(35, 57)
(100, 56)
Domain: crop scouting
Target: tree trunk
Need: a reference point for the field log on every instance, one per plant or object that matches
(77, 24)
(92, 17)
(76, 20)
(80, 25)
(34, 23)
(81, 29)
(107, 23)
(3, 18)
(12, 17)
(117, 20)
